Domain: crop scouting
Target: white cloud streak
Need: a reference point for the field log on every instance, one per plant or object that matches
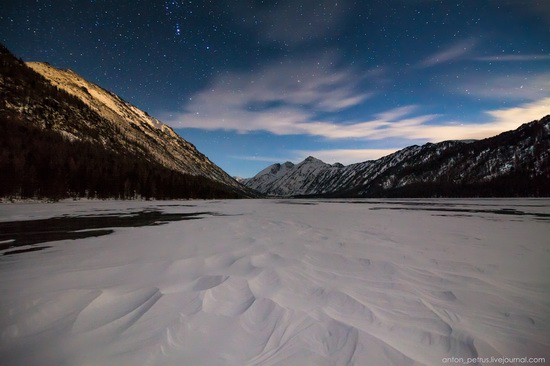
(344, 156)
(509, 87)
(508, 118)
(281, 98)
(452, 53)
(396, 123)
(502, 120)
(286, 99)
(268, 159)
(512, 58)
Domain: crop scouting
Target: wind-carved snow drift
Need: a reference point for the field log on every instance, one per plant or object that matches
(283, 282)
(131, 127)
(514, 163)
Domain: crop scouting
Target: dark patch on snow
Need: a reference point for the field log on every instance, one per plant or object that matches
(298, 203)
(502, 211)
(176, 205)
(31, 232)
(32, 249)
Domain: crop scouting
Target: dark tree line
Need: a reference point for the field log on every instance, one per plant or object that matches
(43, 164)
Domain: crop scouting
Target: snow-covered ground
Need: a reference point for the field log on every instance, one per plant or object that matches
(289, 282)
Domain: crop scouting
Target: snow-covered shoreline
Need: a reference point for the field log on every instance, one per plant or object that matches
(294, 282)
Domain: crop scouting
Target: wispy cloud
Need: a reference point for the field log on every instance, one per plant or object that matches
(267, 159)
(512, 58)
(281, 98)
(292, 96)
(244, 106)
(451, 53)
(504, 119)
(344, 156)
(508, 118)
(330, 156)
(501, 120)
(509, 87)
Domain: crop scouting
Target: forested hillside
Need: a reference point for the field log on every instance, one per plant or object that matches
(40, 159)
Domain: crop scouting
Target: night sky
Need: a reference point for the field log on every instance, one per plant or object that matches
(251, 83)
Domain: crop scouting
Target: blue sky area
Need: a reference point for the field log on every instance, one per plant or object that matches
(251, 83)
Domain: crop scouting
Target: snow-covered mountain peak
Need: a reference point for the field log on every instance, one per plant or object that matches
(493, 166)
(288, 178)
(311, 159)
(310, 164)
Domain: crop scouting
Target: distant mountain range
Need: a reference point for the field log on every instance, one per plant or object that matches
(62, 136)
(514, 163)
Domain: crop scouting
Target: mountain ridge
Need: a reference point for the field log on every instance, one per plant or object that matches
(176, 153)
(513, 163)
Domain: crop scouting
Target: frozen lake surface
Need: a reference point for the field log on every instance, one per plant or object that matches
(274, 282)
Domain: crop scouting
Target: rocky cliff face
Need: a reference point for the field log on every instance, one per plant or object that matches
(514, 163)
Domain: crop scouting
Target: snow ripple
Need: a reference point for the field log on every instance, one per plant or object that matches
(284, 284)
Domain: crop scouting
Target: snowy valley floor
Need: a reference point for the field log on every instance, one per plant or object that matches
(274, 282)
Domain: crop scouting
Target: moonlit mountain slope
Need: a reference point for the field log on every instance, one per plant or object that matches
(136, 130)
